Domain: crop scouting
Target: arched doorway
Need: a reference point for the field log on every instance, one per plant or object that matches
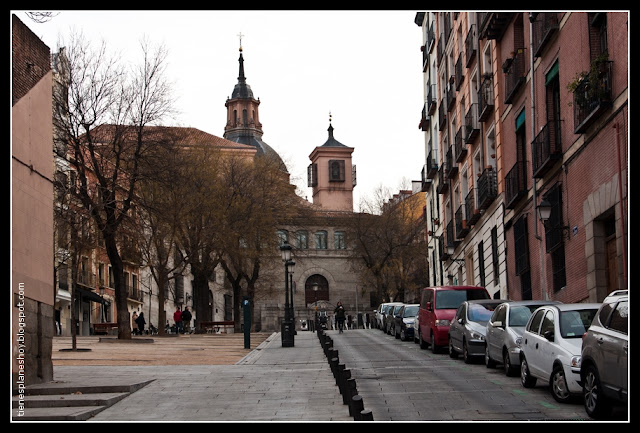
(322, 294)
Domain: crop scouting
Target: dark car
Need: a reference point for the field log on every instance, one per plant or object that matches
(390, 319)
(468, 328)
(404, 328)
(605, 348)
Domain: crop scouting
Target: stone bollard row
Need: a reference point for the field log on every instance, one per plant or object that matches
(346, 384)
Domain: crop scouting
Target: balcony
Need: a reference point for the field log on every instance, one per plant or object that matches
(424, 119)
(432, 164)
(431, 38)
(471, 126)
(472, 213)
(515, 184)
(443, 181)
(453, 167)
(432, 102)
(592, 95)
(426, 181)
(451, 96)
(440, 49)
(459, 75)
(485, 98)
(487, 188)
(515, 75)
(442, 117)
(493, 24)
(470, 45)
(546, 148)
(134, 293)
(450, 241)
(546, 24)
(460, 146)
(86, 279)
(461, 224)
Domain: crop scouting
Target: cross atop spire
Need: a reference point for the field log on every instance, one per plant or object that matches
(240, 35)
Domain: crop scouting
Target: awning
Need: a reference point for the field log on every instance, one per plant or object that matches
(92, 296)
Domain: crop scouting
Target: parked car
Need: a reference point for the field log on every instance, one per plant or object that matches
(551, 347)
(438, 305)
(468, 328)
(504, 333)
(390, 318)
(403, 328)
(380, 313)
(605, 347)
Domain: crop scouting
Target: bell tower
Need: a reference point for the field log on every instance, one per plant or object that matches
(331, 174)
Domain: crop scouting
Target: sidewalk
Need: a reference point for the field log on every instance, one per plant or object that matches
(206, 378)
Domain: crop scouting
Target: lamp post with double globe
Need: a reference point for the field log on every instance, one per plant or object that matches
(287, 328)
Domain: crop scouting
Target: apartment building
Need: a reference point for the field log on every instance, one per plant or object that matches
(527, 113)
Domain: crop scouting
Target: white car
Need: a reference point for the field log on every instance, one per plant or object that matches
(380, 313)
(551, 346)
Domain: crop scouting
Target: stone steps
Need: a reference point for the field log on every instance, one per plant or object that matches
(59, 402)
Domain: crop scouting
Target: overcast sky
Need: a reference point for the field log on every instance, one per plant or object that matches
(362, 66)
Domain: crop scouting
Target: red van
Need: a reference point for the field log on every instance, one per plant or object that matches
(438, 305)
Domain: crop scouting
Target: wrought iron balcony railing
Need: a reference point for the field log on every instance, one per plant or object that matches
(471, 127)
(544, 26)
(487, 188)
(592, 95)
(546, 148)
(515, 184)
(485, 98)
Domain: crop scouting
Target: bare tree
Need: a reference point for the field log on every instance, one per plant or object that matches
(102, 122)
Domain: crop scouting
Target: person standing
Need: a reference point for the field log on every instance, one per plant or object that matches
(339, 312)
(141, 322)
(177, 317)
(134, 322)
(186, 320)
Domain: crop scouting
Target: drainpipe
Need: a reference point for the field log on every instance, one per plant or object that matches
(624, 244)
(543, 280)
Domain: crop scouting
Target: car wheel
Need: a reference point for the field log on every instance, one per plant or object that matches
(465, 353)
(509, 369)
(595, 403)
(423, 344)
(558, 385)
(434, 348)
(490, 363)
(526, 379)
(452, 352)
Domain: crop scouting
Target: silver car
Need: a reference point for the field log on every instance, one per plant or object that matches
(468, 327)
(504, 332)
(605, 348)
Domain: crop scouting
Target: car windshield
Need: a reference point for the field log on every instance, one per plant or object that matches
(480, 313)
(453, 298)
(519, 315)
(411, 311)
(573, 324)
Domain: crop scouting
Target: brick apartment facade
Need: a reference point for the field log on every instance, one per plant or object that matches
(508, 80)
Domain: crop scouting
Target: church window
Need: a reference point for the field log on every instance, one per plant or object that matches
(321, 240)
(336, 170)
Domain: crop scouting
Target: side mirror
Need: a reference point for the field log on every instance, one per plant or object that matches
(498, 324)
(428, 306)
(549, 335)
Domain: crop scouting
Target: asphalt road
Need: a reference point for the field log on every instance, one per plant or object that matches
(398, 381)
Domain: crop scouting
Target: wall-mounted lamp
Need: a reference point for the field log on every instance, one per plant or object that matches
(450, 251)
(544, 213)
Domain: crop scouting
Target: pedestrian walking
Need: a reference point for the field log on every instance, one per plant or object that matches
(339, 312)
(177, 317)
(141, 322)
(134, 322)
(186, 320)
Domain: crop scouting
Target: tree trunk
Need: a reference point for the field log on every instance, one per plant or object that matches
(124, 326)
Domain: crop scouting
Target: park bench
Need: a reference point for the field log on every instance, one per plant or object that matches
(105, 328)
(216, 327)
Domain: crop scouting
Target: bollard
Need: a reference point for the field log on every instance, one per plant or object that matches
(366, 415)
(351, 391)
(334, 366)
(357, 406)
(346, 375)
(339, 374)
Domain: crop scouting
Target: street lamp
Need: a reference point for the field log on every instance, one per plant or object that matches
(544, 213)
(315, 292)
(286, 327)
(450, 250)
